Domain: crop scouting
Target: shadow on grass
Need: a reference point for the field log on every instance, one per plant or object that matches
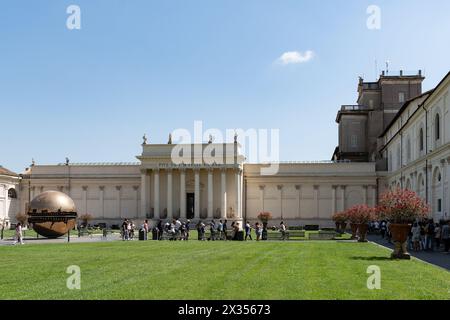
(372, 258)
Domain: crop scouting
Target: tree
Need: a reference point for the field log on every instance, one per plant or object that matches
(22, 218)
(85, 218)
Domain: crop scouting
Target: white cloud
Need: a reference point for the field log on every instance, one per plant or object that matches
(294, 57)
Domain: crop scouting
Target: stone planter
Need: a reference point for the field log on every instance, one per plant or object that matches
(399, 236)
(362, 232)
(354, 228)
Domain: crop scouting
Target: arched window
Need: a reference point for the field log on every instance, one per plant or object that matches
(437, 127)
(12, 193)
(421, 139)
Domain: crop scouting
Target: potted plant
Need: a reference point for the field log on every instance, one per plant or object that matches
(264, 217)
(360, 216)
(401, 207)
(340, 219)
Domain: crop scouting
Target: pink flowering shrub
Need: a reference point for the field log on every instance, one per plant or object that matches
(264, 216)
(361, 214)
(402, 206)
(340, 217)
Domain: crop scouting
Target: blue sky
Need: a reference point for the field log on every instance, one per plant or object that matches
(155, 66)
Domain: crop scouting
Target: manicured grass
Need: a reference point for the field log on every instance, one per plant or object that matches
(215, 270)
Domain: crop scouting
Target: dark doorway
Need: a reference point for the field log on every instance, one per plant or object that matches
(190, 200)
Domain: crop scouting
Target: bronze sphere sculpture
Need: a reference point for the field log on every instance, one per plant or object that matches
(52, 214)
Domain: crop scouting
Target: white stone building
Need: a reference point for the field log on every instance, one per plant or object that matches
(214, 181)
(417, 148)
(221, 186)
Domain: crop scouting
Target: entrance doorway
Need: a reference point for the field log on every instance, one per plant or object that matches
(190, 200)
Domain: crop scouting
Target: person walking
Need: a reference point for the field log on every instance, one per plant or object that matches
(212, 229)
(445, 236)
(3, 229)
(130, 228)
(19, 235)
(258, 230)
(248, 231)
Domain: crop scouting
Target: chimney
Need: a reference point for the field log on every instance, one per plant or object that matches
(382, 73)
(420, 72)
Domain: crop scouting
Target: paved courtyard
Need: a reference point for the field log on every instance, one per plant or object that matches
(437, 258)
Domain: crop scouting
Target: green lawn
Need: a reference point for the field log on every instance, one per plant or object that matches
(215, 270)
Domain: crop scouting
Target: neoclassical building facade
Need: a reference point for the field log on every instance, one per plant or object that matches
(417, 148)
(9, 182)
(206, 181)
(202, 188)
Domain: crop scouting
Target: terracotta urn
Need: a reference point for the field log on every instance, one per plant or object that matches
(354, 227)
(337, 226)
(400, 233)
(362, 232)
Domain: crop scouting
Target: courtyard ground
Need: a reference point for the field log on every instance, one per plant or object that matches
(215, 270)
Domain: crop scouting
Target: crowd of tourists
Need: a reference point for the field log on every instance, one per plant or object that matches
(212, 230)
(425, 235)
(127, 230)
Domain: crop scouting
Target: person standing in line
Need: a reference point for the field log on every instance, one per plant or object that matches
(429, 235)
(125, 230)
(248, 231)
(220, 229)
(201, 231)
(437, 236)
(145, 227)
(224, 229)
(445, 236)
(415, 230)
(383, 229)
(388, 232)
(283, 230)
(187, 229)
(212, 229)
(422, 235)
(177, 225)
(159, 229)
(131, 227)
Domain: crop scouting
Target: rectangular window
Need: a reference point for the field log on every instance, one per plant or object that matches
(401, 97)
(354, 141)
(439, 204)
